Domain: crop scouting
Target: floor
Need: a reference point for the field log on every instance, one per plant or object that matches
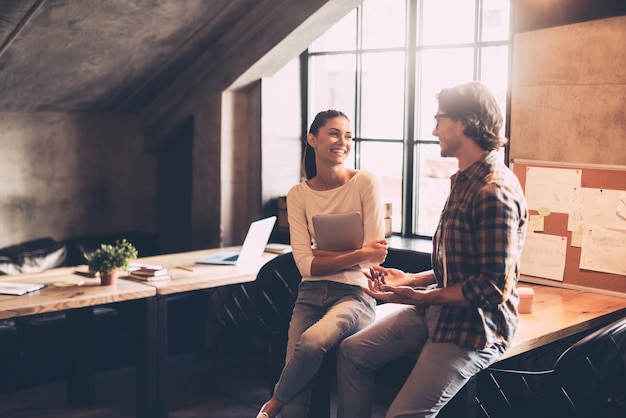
(239, 390)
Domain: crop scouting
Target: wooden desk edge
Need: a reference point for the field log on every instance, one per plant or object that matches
(546, 339)
(70, 297)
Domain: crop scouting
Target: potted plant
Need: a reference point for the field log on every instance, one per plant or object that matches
(108, 259)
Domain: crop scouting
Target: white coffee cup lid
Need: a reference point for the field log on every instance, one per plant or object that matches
(525, 291)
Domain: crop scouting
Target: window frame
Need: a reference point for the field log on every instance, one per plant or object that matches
(410, 141)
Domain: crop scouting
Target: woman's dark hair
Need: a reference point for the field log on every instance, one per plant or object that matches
(308, 160)
(476, 107)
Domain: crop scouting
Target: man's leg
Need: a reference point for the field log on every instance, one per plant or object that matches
(400, 334)
(440, 372)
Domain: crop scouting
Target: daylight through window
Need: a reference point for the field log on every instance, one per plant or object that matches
(383, 65)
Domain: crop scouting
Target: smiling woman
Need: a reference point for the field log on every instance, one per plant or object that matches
(331, 303)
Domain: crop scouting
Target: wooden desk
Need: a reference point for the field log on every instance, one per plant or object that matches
(53, 299)
(202, 277)
(559, 313)
(78, 302)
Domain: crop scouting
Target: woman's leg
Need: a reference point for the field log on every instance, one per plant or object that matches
(306, 312)
(347, 310)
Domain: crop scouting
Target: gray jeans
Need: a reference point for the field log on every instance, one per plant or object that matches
(440, 371)
(325, 313)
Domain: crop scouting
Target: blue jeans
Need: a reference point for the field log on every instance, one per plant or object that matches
(440, 371)
(324, 314)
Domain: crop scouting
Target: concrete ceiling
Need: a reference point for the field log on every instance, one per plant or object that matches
(103, 55)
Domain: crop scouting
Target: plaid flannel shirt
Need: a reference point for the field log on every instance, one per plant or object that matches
(484, 226)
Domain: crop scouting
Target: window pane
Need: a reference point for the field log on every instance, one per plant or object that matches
(433, 186)
(385, 159)
(448, 43)
(495, 20)
(448, 22)
(332, 84)
(494, 72)
(440, 68)
(383, 23)
(382, 100)
(340, 37)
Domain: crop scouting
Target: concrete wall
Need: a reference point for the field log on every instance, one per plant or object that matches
(66, 175)
(568, 94)
(222, 87)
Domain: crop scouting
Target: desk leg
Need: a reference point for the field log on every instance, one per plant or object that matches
(150, 401)
(162, 358)
(81, 375)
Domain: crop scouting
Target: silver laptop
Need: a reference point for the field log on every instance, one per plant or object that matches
(253, 246)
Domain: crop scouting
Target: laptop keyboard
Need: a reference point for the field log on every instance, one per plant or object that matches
(232, 258)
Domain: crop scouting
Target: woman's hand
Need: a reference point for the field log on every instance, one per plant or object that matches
(375, 251)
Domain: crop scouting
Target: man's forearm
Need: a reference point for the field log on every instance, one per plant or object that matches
(422, 279)
(447, 296)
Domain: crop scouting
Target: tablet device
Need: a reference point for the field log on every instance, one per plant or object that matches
(338, 232)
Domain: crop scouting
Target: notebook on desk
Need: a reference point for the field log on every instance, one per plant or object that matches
(18, 288)
(252, 249)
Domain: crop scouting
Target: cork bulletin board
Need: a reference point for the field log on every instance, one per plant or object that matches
(609, 178)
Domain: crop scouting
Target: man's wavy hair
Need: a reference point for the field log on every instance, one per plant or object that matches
(476, 107)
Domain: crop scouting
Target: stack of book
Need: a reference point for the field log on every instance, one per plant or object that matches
(150, 274)
(277, 248)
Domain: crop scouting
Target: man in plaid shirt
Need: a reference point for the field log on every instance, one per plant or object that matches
(460, 316)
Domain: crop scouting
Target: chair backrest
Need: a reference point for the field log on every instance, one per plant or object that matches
(261, 307)
(276, 289)
(590, 376)
(233, 306)
(407, 260)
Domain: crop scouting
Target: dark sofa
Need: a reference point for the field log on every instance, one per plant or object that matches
(33, 256)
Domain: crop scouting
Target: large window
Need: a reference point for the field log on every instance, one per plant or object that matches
(383, 65)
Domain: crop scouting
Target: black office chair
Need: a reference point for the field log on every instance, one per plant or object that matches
(587, 381)
(261, 308)
(406, 260)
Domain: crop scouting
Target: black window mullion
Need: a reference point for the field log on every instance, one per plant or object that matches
(478, 30)
(357, 88)
(409, 191)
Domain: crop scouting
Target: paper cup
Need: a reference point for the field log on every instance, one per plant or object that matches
(526, 295)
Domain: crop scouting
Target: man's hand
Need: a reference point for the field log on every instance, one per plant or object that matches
(394, 294)
(390, 276)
